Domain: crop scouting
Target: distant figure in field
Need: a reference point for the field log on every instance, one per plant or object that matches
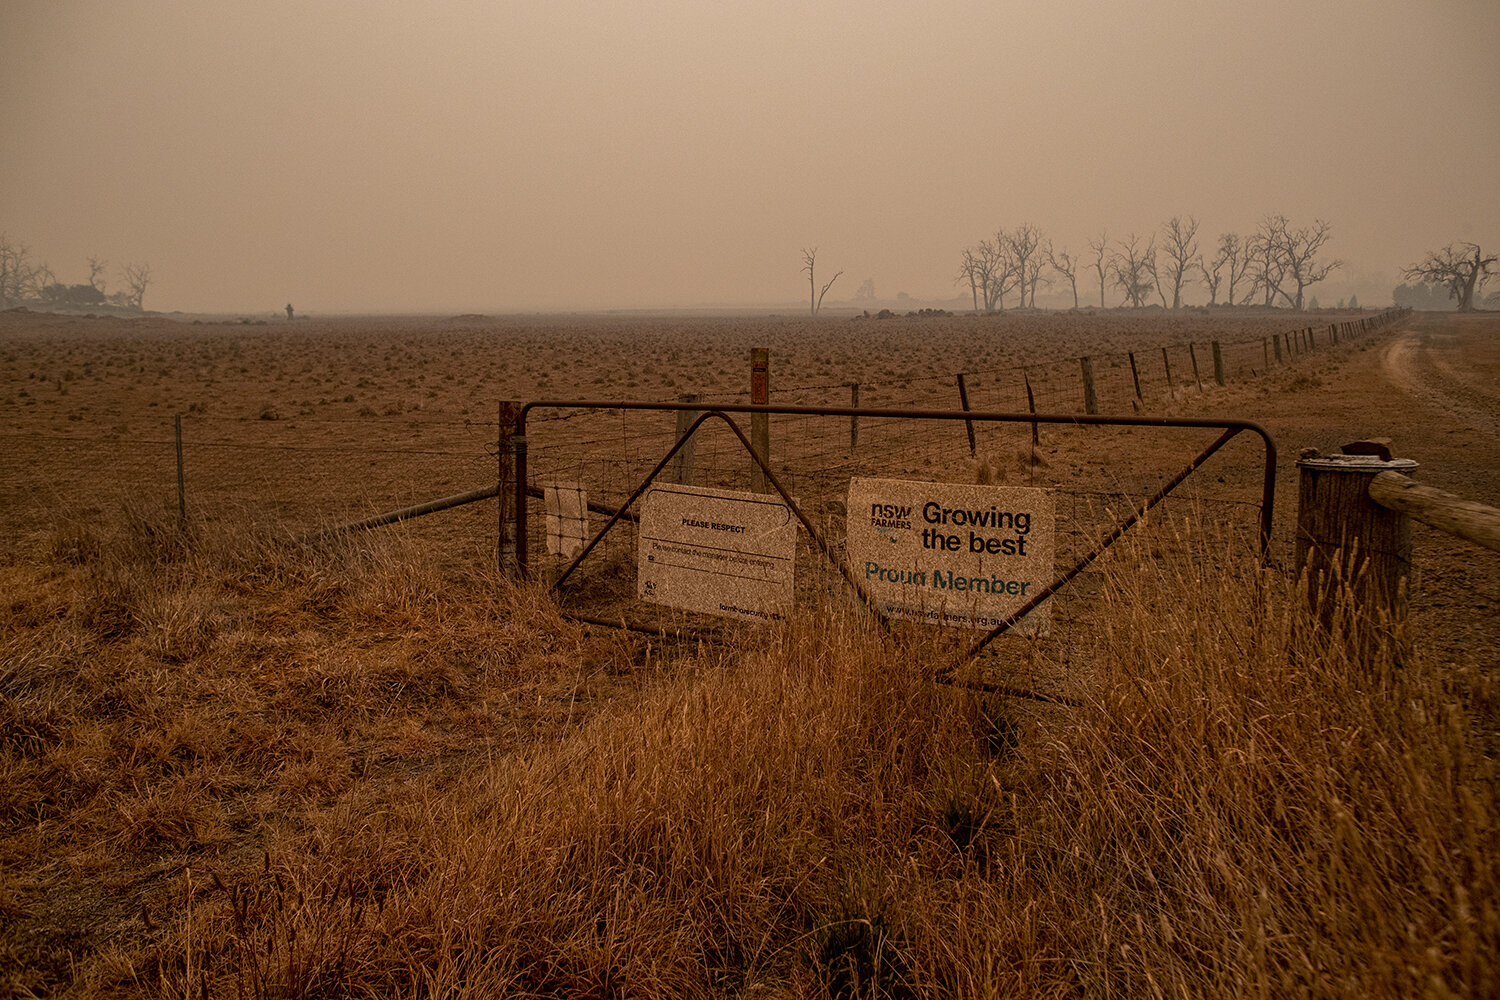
(288, 310)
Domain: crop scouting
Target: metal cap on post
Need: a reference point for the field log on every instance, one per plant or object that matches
(1348, 546)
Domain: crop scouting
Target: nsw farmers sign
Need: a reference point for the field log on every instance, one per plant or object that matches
(957, 555)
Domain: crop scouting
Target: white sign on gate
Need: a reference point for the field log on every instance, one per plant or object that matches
(957, 555)
(721, 552)
(567, 518)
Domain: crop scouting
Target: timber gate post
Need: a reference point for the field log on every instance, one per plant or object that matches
(1349, 547)
(1090, 399)
(963, 401)
(854, 418)
(760, 423)
(682, 465)
(509, 498)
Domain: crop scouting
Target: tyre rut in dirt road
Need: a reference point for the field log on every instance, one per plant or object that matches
(1422, 362)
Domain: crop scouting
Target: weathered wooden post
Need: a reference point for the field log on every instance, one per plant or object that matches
(682, 462)
(1218, 364)
(181, 482)
(1349, 548)
(1135, 376)
(1090, 400)
(1193, 355)
(1167, 364)
(1265, 353)
(963, 401)
(1276, 342)
(1036, 437)
(760, 423)
(510, 496)
(854, 418)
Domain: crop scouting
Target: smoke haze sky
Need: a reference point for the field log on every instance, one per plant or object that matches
(459, 155)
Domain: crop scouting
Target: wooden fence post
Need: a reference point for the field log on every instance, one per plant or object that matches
(1135, 376)
(853, 420)
(508, 490)
(1194, 356)
(1090, 400)
(1276, 343)
(963, 401)
(1036, 437)
(760, 423)
(1167, 364)
(1348, 547)
(682, 462)
(181, 482)
(1218, 364)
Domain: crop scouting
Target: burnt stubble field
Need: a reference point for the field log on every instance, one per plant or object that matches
(234, 763)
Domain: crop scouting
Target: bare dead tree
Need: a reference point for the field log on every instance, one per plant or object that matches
(1024, 243)
(1033, 279)
(20, 276)
(1212, 270)
(1298, 250)
(969, 270)
(1064, 264)
(1100, 248)
(1155, 272)
(96, 272)
(1460, 267)
(1133, 268)
(1265, 268)
(1180, 253)
(815, 296)
(1000, 270)
(137, 278)
(1229, 264)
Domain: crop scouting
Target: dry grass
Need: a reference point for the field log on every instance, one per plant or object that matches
(233, 766)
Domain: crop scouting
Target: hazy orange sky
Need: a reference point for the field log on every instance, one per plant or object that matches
(457, 155)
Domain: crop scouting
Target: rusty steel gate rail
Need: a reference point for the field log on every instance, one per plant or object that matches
(1230, 429)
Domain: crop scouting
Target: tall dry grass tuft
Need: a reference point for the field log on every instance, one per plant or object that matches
(1247, 805)
(749, 822)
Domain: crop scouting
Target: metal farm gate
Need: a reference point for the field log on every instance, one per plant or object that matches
(1105, 474)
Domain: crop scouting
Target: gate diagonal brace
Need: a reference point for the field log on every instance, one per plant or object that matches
(775, 484)
(1084, 561)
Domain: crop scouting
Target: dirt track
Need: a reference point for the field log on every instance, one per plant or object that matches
(1450, 363)
(1432, 388)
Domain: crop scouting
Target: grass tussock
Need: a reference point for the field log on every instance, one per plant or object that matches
(1241, 805)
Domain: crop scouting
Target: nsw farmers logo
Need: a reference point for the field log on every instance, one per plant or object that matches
(889, 516)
